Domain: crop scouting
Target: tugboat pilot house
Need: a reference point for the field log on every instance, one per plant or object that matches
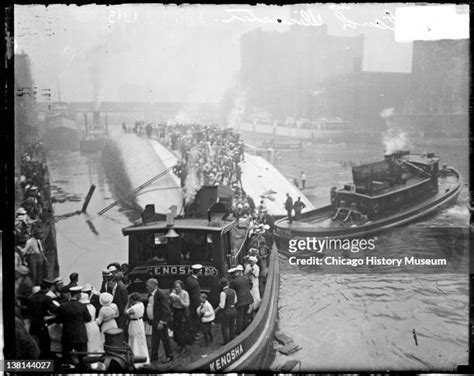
(400, 180)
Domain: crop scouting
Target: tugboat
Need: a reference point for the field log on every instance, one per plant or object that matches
(400, 189)
(95, 137)
(166, 248)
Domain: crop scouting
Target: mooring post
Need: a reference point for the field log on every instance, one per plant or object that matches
(88, 198)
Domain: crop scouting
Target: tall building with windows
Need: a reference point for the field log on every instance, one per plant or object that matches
(24, 101)
(284, 72)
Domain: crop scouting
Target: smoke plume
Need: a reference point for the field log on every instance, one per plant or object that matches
(393, 138)
(192, 183)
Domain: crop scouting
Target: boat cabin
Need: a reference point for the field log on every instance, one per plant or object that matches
(166, 249)
(382, 187)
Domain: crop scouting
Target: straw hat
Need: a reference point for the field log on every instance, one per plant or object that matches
(84, 299)
(106, 299)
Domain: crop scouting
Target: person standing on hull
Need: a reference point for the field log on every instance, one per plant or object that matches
(74, 316)
(241, 285)
(159, 314)
(289, 207)
(303, 180)
(298, 206)
(227, 301)
(191, 285)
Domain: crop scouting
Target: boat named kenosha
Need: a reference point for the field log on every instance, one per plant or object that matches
(400, 189)
(165, 248)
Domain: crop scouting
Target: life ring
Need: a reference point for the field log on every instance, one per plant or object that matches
(278, 155)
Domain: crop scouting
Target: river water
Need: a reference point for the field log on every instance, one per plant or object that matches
(343, 318)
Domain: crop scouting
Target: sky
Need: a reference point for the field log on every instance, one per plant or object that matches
(152, 52)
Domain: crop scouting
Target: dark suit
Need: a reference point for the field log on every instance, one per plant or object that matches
(289, 208)
(241, 285)
(73, 315)
(37, 308)
(95, 301)
(191, 285)
(161, 312)
(121, 299)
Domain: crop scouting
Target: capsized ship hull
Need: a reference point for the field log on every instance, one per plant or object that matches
(261, 179)
(130, 161)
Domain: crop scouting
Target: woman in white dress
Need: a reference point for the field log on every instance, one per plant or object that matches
(253, 271)
(94, 339)
(107, 314)
(136, 328)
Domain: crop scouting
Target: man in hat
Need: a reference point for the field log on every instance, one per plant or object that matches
(73, 315)
(241, 285)
(94, 296)
(106, 281)
(159, 315)
(37, 309)
(56, 291)
(191, 285)
(34, 256)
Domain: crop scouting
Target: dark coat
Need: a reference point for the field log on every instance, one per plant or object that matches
(95, 301)
(121, 297)
(25, 345)
(191, 285)
(73, 315)
(241, 285)
(161, 307)
(289, 203)
(38, 306)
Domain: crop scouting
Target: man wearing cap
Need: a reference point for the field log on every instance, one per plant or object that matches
(94, 296)
(56, 291)
(106, 281)
(241, 285)
(73, 315)
(37, 309)
(34, 256)
(159, 314)
(191, 285)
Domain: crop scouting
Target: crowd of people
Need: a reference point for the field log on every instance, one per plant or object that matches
(31, 219)
(212, 153)
(55, 318)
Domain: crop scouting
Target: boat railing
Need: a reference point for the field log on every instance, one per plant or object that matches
(255, 334)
